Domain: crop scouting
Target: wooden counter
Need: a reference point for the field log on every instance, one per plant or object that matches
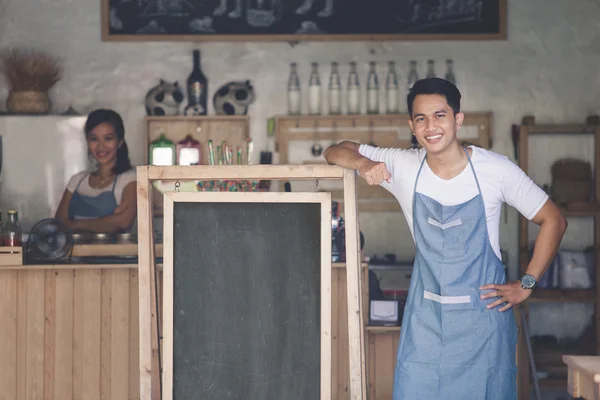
(71, 332)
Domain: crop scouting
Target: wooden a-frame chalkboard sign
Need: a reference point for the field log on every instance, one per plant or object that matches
(302, 20)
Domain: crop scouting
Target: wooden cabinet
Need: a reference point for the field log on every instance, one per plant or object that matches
(235, 130)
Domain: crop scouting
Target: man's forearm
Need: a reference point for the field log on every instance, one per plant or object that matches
(345, 155)
(546, 246)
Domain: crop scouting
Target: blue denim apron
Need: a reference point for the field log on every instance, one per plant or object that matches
(87, 207)
(451, 346)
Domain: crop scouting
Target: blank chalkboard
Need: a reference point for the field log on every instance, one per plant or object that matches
(246, 293)
(303, 19)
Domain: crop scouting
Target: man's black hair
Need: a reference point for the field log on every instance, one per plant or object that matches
(438, 86)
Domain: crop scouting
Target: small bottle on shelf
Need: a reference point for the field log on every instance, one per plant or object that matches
(413, 74)
(391, 89)
(12, 230)
(335, 90)
(430, 69)
(372, 90)
(353, 90)
(450, 72)
(314, 91)
(294, 93)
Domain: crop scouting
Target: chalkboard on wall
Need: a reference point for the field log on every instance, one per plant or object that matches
(244, 314)
(294, 20)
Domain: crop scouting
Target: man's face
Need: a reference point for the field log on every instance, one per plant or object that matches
(433, 123)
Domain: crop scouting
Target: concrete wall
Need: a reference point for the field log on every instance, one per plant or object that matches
(548, 67)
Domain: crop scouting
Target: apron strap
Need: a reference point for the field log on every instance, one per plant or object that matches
(115, 182)
(473, 169)
(81, 180)
(417, 180)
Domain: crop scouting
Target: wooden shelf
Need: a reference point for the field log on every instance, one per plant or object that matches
(197, 118)
(550, 383)
(564, 295)
(383, 329)
(385, 130)
(549, 359)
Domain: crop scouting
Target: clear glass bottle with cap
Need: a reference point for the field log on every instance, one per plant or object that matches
(391, 89)
(294, 91)
(413, 74)
(430, 69)
(12, 230)
(335, 90)
(372, 89)
(353, 91)
(314, 91)
(450, 72)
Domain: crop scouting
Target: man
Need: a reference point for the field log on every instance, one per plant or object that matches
(458, 336)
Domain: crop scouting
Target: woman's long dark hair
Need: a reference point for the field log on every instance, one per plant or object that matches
(101, 116)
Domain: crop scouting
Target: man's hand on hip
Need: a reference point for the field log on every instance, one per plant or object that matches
(510, 293)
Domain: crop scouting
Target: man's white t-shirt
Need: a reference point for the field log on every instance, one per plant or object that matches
(500, 180)
(85, 189)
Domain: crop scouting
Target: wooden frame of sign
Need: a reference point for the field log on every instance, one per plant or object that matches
(149, 341)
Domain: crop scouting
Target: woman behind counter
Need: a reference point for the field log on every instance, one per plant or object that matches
(104, 200)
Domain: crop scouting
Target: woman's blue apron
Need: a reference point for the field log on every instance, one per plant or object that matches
(87, 207)
(451, 346)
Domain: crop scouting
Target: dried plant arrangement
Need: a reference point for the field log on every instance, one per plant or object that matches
(29, 70)
(30, 75)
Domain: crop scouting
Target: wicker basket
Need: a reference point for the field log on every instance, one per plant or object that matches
(567, 169)
(28, 102)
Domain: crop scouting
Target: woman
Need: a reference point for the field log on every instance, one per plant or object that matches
(104, 200)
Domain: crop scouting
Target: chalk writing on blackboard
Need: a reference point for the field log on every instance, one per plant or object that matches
(422, 13)
(289, 18)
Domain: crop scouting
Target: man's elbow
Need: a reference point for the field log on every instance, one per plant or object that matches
(329, 152)
(562, 224)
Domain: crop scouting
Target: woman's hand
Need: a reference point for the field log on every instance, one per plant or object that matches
(510, 293)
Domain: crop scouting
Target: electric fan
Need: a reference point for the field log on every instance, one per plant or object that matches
(49, 241)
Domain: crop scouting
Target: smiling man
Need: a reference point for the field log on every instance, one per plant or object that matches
(458, 336)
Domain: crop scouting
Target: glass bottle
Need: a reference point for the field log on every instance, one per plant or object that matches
(372, 90)
(430, 69)
(391, 89)
(314, 91)
(294, 97)
(413, 75)
(197, 88)
(12, 230)
(353, 90)
(450, 72)
(335, 90)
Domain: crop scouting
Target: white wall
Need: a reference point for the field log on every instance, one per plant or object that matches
(548, 68)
